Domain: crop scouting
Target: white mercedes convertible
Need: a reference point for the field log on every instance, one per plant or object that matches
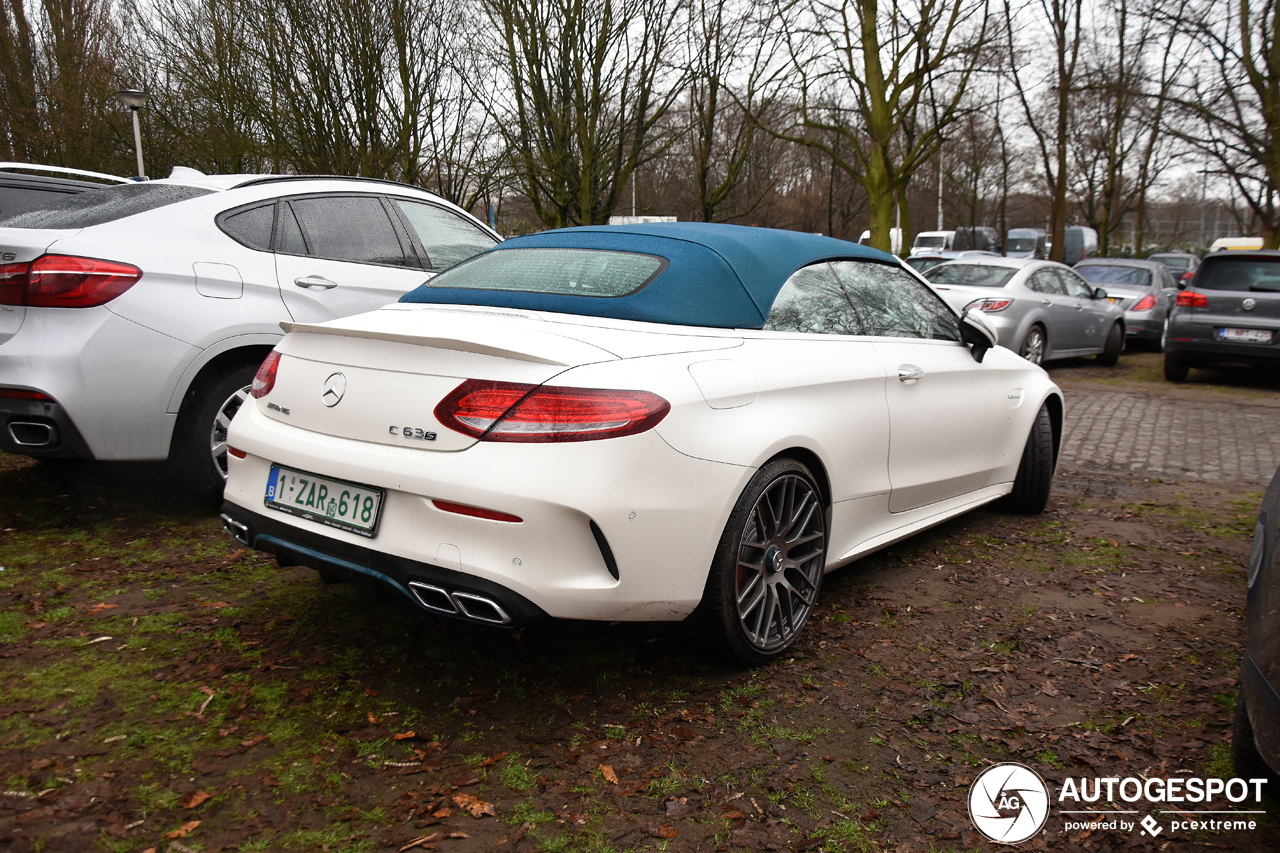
(636, 423)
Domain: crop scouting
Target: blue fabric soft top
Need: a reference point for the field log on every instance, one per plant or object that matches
(723, 276)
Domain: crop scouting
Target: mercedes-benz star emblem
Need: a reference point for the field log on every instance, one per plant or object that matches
(334, 387)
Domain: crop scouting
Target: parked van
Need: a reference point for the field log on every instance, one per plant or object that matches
(977, 239)
(1027, 243)
(895, 239)
(1078, 243)
(1250, 243)
(933, 241)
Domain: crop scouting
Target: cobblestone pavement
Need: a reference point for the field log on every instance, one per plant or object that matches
(1160, 436)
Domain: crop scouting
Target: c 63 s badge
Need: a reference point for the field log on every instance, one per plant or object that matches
(413, 433)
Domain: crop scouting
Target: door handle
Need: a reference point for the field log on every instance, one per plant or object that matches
(319, 282)
(1047, 303)
(909, 373)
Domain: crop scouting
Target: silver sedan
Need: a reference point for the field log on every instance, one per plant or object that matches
(1040, 309)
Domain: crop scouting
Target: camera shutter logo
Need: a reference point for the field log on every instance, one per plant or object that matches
(1009, 803)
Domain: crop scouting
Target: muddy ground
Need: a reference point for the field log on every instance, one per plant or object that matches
(162, 689)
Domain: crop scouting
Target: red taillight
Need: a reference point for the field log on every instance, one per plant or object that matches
(990, 305)
(265, 379)
(1192, 299)
(477, 512)
(1187, 276)
(62, 281)
(1146, 303)
(22, 394)
(509, 411)
(237, 452)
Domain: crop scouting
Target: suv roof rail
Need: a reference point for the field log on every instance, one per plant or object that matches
(269, 179)
(63, 170)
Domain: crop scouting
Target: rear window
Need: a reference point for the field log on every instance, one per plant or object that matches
(1115, 275)
(97, 207)
(931, 241)
(1244, 274)
(971, 275)
(1178, 264)
(563, 272)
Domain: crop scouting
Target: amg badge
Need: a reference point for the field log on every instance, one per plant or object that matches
(411, 432)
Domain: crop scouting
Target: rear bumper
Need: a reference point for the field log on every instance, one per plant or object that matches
(40, 428)
(433, 588)
(1194, 337)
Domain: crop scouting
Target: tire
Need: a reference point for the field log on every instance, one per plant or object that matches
(1158, 344)
(198, 452)
(1034, 480)
(1247, 762)
(765, 579)
(1175, 367)
(1034, 345)
(1113, 347)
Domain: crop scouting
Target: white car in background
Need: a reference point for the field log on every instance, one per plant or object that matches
(133, 318)
(623, 422)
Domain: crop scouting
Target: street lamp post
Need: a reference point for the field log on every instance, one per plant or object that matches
(135, 99)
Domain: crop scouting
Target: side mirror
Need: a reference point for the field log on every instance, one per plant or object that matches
(978, 333)
(1099, 293)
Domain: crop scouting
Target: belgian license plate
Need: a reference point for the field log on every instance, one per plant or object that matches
(1248, 336)
(324, 500)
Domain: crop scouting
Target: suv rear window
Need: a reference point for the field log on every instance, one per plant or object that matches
(97, 207)
(1243, 274)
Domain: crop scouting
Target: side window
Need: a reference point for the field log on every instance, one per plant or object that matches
(860, 298)
(1166, 279)
(349, 228)
(447, 237)
(1074, 284)
(289, 241)
(250, 227)
(1044, 281)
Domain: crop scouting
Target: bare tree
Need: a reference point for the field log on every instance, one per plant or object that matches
(886, 81)
(1230, 100)
(586, 92)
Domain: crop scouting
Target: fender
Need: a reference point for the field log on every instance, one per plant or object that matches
(202, 358)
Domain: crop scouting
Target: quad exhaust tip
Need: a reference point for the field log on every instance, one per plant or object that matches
(238, 531)
(458, 603)
(33, 434)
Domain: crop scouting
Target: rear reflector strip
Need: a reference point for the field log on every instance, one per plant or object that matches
(476, 512)
(23, 394)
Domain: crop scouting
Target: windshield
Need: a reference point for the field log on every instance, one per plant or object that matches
(1115, 275)
(971, 275)
(1022, 244)
(1249, 274)
(930, 241)
(567, 272)
(1179, 264)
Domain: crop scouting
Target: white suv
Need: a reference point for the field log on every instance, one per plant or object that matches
(133, 318)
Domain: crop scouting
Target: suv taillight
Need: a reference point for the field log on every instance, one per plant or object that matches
(510, 411)
(265, 379)
(1192, 299)
(63, 281)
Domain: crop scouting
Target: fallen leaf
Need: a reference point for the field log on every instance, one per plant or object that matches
(268, 779)
(665, 831)
(253, 741)
(372, 718)
(182, 831)
(457, 835)
(474, 805)
(215, 604)
(404, 735)
(609, 775)
(369, 691)
(190, 801)
(419, 841)
(40, 763)
(99, 608)
(441, 814)
(494, 759)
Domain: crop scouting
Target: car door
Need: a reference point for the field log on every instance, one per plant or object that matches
(342, 254)
(1060, 312)
(946, 410)
(441, 237)
(1093, 316)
